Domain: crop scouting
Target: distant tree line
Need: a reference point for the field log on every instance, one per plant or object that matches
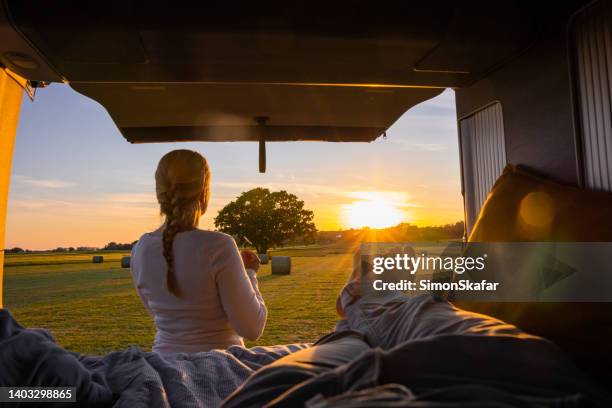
(15, 250)
(302, 233)
(114, 246)
(111, 246)
(400, 233)
(19, 250)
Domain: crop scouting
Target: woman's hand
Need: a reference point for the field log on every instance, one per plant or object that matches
(250, 260)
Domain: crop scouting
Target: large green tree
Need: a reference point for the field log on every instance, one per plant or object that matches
(265, 218)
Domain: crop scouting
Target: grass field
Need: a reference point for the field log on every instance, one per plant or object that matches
(93, 308)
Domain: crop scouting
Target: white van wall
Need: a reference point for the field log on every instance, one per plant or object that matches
(535, 94)
(483, 154)
(591, 40)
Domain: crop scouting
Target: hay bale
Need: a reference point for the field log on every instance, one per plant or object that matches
(125, 262)
(97, 259)
(263, 258)
(281, 265)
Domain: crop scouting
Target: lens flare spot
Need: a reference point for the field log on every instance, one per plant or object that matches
(537, 211)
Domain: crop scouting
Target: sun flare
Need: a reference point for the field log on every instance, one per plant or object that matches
(373, 209)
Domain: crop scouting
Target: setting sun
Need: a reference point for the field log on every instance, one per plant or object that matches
(373, 209)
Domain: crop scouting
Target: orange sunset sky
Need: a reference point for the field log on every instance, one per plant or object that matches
(77, 182)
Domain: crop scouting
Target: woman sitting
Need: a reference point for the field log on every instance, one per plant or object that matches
(201, 291)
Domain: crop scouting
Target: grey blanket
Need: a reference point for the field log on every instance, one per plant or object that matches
(131, 378)
(188, 380)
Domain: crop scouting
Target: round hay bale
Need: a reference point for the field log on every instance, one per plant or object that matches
(125, 262)
(281, 265)
(263, 258)
(97, 259)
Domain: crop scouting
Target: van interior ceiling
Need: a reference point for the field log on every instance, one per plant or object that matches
(532, 81)
(233, 66)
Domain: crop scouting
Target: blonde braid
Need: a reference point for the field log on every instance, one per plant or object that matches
(171, 228)
(182, 179)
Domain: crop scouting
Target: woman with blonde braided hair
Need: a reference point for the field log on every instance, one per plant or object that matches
(201, 291)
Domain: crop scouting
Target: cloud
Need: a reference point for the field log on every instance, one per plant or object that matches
(430, 147)
(423, 147)
(396, 198)
(421, 125)
(38, 203)
(234, 184)
(131, 198)
(291, 186)
(112, 206)
(43, 183)
(446, 100)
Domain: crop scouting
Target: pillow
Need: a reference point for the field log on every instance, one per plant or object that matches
(523, 207)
